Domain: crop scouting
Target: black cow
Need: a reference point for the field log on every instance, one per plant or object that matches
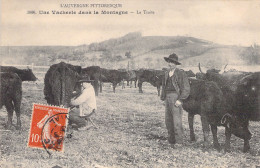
(59, 83)
(11, 96)
(24, 74)
(207, 100)
(154, 77)
(112, 76)
(234, 77)
(226, 80)
(242, 91)
(94, 72)
(248, 96)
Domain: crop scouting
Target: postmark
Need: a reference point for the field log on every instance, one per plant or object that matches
(48, 127)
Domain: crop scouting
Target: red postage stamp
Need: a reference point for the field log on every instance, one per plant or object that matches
(48, 127)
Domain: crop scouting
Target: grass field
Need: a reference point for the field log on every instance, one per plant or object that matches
(131, 133)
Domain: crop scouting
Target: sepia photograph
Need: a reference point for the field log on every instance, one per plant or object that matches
(129, 83)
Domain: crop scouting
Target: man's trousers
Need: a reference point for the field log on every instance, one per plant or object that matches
(75, 120)
(173, 119)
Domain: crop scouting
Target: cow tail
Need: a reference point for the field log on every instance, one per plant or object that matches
(63, 87)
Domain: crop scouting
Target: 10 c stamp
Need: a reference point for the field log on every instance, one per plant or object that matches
(48, 127)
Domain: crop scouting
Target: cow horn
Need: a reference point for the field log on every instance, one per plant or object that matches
(200, 69)
(225, 68)
(244, 80)
(224, 118)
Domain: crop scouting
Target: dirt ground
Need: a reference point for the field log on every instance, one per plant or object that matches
(131, 133)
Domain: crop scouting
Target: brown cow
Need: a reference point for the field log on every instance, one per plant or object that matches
(59, 83)
(11, 96)
(154, 77)
(112, 76)
(24, 74)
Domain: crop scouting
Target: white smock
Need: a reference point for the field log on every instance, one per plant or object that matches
(86, 100)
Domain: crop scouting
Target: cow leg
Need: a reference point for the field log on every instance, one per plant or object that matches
(127, 84)
(96, 87)
(100, 87)
(140, 87)
(214, 130)
(131, 83)
(158, 90)
(246, 146)
(228, 136)
(191, 119)
(10, 110)
(123, 84)
(205, 128)
(17, 106)
(206, 108)
(135, 83)
(114, 87)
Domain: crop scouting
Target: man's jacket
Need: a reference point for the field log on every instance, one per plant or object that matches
(180, 82)
(86, 100)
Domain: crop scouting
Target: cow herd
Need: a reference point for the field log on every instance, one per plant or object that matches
(229, 99)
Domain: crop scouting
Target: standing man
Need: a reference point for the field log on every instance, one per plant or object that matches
(175, 88)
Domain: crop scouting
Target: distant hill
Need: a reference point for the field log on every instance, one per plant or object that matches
(137, 50)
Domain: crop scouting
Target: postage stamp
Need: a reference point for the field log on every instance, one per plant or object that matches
(48, 127)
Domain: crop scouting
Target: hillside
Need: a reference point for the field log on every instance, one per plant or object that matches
(140, 51)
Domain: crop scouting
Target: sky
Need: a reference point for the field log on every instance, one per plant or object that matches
(220, 21)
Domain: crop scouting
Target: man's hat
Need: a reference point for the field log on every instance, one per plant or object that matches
(172, 58)
(84, 78)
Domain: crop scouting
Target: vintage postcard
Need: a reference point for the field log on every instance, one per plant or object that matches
(129, 83)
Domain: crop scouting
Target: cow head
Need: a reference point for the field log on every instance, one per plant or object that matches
(208, 74)
(190, 73)
(248, 96)
(200, 75)
(27, 75)
(214, 75)
(238, 125)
